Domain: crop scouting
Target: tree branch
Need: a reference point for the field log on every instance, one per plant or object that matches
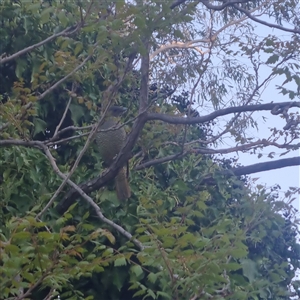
(41, 146)
(192, 44)
(265, 166)
(246, 12)
(177, 3)
(144, 79)
(59, 133)
(161, 160)
(187, 45)
(54, 86)
(12, 142)
(221, 7)
(68, 31)
(244, 147)
(205, 151)
(253, 18)
(222, 112)
(90, 201)
(125, 153)
(66, 110)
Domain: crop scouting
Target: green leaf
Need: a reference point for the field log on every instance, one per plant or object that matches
(137, 270)
(39, 126)
(249, 269)
(34, 7)
(22, 235)
(77, 112)
(13, 249)
(78, 48)
(45, 235)
(272, 59)
(21, 67)
(139, 293)
(152, 277)
(139, 21)
(150, 293)
(63, 18)
(121, 261)
(164, 295)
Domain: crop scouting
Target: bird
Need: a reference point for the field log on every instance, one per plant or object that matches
(110, 143)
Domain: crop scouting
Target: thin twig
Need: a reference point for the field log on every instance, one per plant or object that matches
(66, 32)
(161, 160)
(55, 85)
(66, 110)
(67, 139)
(55, 137)
(144, 91)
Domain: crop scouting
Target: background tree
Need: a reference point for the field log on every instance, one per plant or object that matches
(189, 74)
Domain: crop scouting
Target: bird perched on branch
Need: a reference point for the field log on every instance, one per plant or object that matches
(110, 143)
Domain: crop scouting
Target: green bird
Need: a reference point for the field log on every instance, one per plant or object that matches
(110, 143)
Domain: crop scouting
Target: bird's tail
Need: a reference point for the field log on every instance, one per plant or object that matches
(122, 185)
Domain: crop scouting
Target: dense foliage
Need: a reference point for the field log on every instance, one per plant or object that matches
(192, 229)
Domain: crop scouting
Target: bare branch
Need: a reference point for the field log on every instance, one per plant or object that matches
(97, 183)
(265, 166)
(124, 154)
(90, 201)
(74, 137)
(244, 147)
(177, 3)
(253, 18)
(66, 110)
(54, 140)
(66, 32)
(41, 146)
(12, 142)
(224, 5)
(161, 160)
(187, 45)
(246, 102)
(222, 112)
(69, 128)
(54, 86)
(144, 79)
